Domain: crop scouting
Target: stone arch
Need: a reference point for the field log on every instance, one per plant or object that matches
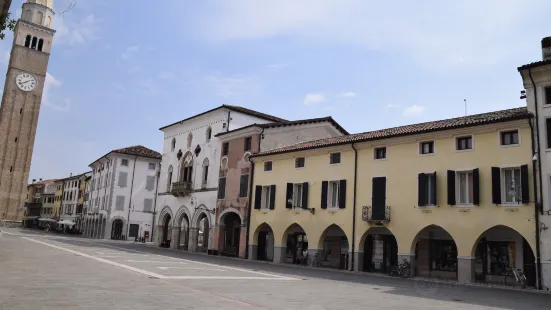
(186, 167)
(295, 241)
(202, 223)
(377, 250)
(181, 231)
(333, 247)
(205, 177)
(28, 15)
(117, 227)
(506, 227)
(48, 21)
(231, 210)
(262, 247)
(231, 234)
(164, 212)
(436, 253)
(38, 18)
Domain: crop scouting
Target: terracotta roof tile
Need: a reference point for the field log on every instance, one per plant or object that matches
(291, 123)
(535, 64)
(453, 123)
(139, 150)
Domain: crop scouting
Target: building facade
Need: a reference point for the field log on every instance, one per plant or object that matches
(536, 79)
(188, 182)
(235, 170)
(20, 106)
(122, 194)
(69, 198)
(454, 197)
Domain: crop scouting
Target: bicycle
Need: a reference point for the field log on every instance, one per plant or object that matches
(304, 260)
(316, 261)
(401, 270)
(515, 276)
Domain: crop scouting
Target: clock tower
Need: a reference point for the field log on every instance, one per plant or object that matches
(21, 103)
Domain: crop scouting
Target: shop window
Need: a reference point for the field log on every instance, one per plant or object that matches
(443, 255)
(499, 257)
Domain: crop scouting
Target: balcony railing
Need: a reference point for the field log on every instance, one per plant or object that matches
(376, 214)
(180, 189)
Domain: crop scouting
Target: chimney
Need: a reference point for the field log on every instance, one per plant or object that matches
(546, 48)
(40, 180)
(34, 180)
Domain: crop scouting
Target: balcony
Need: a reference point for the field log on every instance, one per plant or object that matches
(378, 215)
(181, 189)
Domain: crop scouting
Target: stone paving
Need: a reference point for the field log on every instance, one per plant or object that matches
(52, 272)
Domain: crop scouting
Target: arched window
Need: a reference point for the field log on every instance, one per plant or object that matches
(205, 171)
(209, 134)
(173, 144)
(28, 40)
(38, 17)
(28, 15)
(40, 44)
(187, 168)
(34, 43)
(49, 21)
(189, 139)
(169, 176)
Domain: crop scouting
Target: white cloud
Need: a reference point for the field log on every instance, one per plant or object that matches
(75, 33)
(314, 98)
(346, 94)
(48, 99)
(413, 110)
(129, 52)
(434, 33)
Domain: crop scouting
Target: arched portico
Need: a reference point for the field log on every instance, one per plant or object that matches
(435, 253)
(333, 248)
(181, 229)
(379, 250)
(263, 250)
(295, 240)
(202, 229)
(117, 228)
(231, 234)
(164, 227)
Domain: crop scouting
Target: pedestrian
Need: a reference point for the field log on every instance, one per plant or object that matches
(47, 228)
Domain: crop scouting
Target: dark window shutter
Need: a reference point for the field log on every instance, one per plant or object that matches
(524, 184)
(476, 186)
(272, 196)
(496, 186)
(379, 192)
(451, 187)
(421, 199)
(222, 188)
(257, 197)
(324, 186)
(548, 95)
(434, 192)
(342, 194)
(289, 199)
(548, 125)
(305, 195)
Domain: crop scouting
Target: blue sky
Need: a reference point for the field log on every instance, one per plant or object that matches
(119, 70)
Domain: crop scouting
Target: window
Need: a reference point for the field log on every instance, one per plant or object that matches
(499, 253)
(443, 255)
(248, 143)
(28, 40)
(244, 185)
(34, 43)
(119, 203)
(509, 137)
(465, 184)
(548, 131)
(150, 183)
(427, 189)
(122, 179)
(124, 162)
(380, 152)
(511, 185)
(148, 205)
(426, 147)
(169, 176)
(299, 162)
(268, 166)
(464, 143)
(222, 188)
(152, 166)
(335, 158)
(548, 95)
(205, 171)
(333, 194)
(189, 139)
(208, 134)
(266, 197)
(173, 145)
(40, 44)
(297, 195)
(225, 148)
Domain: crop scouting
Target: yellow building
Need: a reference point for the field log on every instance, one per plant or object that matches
(58, 198)
(453, 197)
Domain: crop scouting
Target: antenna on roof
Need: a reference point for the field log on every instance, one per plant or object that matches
(465, 100)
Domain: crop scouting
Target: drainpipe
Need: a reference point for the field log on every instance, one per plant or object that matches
(354, 206)
(130, 200)
(228, 123)
(153, 228)
(249, 210)
(539, 206)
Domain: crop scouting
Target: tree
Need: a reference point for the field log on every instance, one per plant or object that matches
(7, 23)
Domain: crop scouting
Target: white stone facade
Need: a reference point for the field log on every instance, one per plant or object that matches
(70, 197)
(122, 194)
(188, 220)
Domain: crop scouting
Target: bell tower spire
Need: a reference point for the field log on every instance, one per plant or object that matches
(21, 102)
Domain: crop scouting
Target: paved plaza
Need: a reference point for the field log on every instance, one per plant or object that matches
(54, 272)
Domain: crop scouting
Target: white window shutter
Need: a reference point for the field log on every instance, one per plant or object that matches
(119, 204)
(150, 183)
(148, 205)
(122, 179)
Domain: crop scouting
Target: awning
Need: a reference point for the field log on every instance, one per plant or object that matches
(66, 222)
(31, 217)
(42, 219)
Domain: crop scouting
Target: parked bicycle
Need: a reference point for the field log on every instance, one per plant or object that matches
(401, 270)
(316, 261)
(514, 276)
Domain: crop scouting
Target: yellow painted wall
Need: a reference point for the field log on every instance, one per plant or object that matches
(58, 196)
(401, 168)
(316, 170)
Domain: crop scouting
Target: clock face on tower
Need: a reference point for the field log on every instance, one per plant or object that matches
(25, 81)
